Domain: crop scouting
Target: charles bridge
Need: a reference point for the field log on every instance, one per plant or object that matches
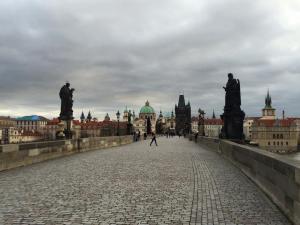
(178, 182)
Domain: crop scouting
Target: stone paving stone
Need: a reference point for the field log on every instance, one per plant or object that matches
(176, 183)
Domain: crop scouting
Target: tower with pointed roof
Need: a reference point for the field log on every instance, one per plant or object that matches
(82, 117)
(183, 116)
(268, 112)
(214, 115)
(89, 117)
(125, 114)
(107, 118)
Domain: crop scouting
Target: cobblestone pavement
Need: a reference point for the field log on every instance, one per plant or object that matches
(175, 183)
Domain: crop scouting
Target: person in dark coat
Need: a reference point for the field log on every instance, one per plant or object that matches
(153, 139)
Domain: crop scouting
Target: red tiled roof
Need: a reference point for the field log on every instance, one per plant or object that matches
(54, 121)
(277, 122)
(213, 122)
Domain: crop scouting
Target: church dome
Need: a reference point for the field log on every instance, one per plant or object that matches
(147, 109)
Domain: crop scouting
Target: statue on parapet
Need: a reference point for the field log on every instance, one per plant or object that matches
(66, 110)
(66, 96)
(233, 116)
(233, 94)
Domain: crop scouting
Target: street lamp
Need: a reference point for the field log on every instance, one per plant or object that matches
(118, 117)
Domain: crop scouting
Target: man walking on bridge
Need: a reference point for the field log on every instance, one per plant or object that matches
(153, 139)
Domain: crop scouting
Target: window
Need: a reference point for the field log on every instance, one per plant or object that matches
(287, 143)
(281, 136)
(269, 143)
(274, 136)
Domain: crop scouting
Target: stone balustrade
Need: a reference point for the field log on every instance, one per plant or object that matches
(16, 155)
(276, 175)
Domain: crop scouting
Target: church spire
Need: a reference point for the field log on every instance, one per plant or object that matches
(89, 116)
(82, 117)
(214, 115)
(268, 100)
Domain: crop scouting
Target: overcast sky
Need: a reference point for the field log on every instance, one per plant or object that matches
(123, 52)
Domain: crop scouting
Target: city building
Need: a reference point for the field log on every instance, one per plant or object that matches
(6, 121)
(275, 135)
(49, 131)
(31, 123)
(195, 124)
(213, 127)
(268, 111)
(278, 135)
(146, 115)
(247, 127)
(6, 124)
(183, 116)
(166, 123)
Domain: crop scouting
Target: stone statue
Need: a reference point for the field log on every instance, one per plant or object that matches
(129, 117)
(66, 96)
(233, 116)
(201, 122)
(233, 93)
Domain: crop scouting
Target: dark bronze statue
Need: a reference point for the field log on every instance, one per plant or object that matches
(201, 122)
(66, 96)
(233, 93)
(129, 123)
(233, 116)
(66, 111)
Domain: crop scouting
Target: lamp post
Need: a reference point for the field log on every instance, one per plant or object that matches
(118, 117)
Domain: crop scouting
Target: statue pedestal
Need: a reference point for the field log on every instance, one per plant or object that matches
(233, 125)
(60, 131)
(65, 129)
(201, 130)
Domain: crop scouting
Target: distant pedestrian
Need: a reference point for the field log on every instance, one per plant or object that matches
(153, 139)
(196, 136)
(145, 136)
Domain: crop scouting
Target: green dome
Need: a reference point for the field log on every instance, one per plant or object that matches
(147, 109)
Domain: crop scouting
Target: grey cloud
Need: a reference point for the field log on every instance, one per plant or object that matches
(116, 54)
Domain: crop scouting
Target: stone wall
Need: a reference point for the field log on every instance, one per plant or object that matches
(16, 155)
(276, 175)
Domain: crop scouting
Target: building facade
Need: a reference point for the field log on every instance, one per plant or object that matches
(274, 135)
(146, 120)
(32, 123)
(6, 124)
(183, 116)
(213, 127)
(166, 123)
(195, 124)
(247, 127)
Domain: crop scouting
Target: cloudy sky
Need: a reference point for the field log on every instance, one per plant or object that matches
(123, 52)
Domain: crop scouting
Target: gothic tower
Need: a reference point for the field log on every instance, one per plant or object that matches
(183, 116)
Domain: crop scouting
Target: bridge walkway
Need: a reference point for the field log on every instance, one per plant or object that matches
(175, 183)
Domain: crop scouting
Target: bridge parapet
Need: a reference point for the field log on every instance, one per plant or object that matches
(16, 155)
(276, 175)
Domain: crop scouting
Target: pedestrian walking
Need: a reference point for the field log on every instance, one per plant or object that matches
(153, 139)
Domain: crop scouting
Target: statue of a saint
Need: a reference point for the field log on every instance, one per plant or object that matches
(129, 117)
(66, 96)
(233, 93)
(233, 116)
